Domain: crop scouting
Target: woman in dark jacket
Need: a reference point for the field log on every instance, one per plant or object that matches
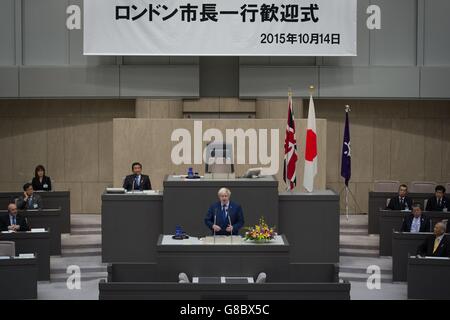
(40, 181)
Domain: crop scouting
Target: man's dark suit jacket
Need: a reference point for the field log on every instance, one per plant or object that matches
(394, 203)
(426, 248)
(130, 183)
(234, 212)
(432, 204)
(425, 223)
(36, 202)
(20, 220)
(40, 186)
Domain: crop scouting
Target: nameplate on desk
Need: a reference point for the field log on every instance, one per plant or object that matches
(5, 257)
(38, 230)
(26, 255)
(8, 231)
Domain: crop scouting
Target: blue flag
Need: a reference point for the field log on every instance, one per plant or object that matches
(346, 165)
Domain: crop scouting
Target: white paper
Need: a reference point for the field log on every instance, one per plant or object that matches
(150, 191)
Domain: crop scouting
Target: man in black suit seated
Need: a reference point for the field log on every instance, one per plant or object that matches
(402, 202)
(416, 221)
(436, 245)
(29, 200)
(137, 180)
(224, 217)
(13, 221)
(439, 202)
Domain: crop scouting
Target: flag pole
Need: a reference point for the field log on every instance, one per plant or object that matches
(346, 201)
(311, 90)
(347, 110)
(288, 182)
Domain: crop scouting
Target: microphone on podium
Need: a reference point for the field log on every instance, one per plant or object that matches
(214, 230)
(231, 230)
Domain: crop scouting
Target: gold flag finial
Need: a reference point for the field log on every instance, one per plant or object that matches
(311, 90)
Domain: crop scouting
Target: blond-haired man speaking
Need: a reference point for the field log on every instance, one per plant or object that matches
(225, 217)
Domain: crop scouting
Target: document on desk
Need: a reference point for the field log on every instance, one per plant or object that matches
(223, 240)
(144, 192)
(238, 240)
(37, 230)
(151, 192)
(185, 177)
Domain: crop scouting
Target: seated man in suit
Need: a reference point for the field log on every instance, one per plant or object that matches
(416, 221)
(439, 202)
(225, 217)
(29, 200)
(436, 245)
(137, 180)
(13, 221)
(402, 202)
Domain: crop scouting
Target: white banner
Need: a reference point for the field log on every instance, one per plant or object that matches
(220, 27)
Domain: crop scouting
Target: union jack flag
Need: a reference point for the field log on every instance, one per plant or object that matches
(290, 149)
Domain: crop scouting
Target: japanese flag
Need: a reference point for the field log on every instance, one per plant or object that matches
(310, 149)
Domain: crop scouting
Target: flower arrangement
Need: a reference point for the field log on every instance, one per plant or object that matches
(260, 232)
